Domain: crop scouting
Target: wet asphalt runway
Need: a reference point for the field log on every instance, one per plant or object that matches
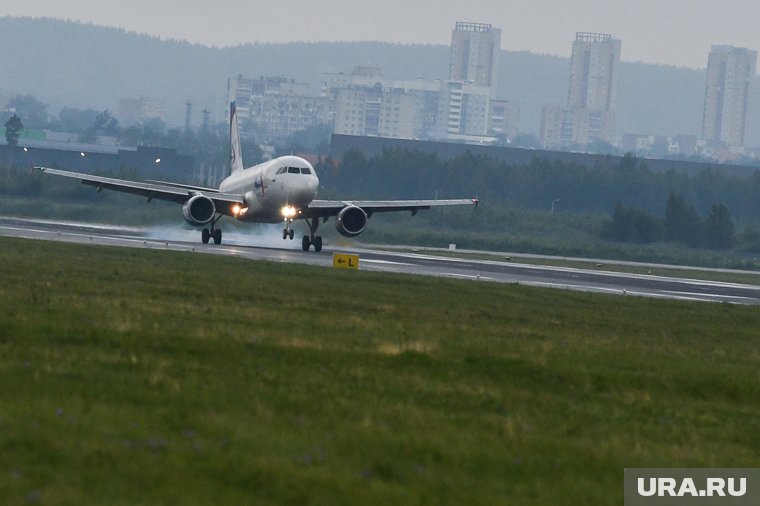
(270, 247)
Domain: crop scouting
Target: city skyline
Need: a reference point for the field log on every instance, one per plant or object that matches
(405, 107)
(648, 27)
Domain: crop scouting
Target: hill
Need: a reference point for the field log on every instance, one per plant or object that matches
(73, 64)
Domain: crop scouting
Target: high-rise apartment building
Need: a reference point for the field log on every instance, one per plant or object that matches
(475, 50)
(594, 72)
(730, 71)
(589, 116)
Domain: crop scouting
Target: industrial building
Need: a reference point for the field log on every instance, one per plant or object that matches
(63, 151)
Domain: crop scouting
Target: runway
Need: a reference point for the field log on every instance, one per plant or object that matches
(270, 247)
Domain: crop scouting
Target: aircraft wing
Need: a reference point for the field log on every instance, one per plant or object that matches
(326, 208)
(152, 190)
(185, 186)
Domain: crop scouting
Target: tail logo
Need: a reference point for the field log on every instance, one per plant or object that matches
(236, 157)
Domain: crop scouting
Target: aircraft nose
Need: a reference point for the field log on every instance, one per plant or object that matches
(304, 194)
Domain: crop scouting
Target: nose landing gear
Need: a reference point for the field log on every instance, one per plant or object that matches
(288, 233)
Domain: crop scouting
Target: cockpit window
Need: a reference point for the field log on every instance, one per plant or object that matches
(281, 170)
(293, 170)
(305, 170)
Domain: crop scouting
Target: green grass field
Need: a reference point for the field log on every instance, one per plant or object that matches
(131, 376)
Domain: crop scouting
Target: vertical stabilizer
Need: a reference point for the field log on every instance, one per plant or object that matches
(236, 155)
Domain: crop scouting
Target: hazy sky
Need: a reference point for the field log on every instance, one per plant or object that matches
(675, 32)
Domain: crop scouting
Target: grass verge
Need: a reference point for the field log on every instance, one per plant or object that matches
(132, 376)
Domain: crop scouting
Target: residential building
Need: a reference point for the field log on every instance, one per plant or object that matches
(504, 118)
(385, 109)
(277, 107)
(367, 104)
(135, 110)
(474, 57)
(594, 72)
(364, 103)
(589, 116)
(730, 71)
(563, 127)
(463, 110)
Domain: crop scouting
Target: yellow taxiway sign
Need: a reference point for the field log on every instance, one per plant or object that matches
(345, 261)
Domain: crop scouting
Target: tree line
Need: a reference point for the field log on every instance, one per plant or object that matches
(208, 144)
(403, 173)
(681, 223)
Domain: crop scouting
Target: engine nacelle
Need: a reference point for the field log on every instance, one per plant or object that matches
(351, 221)
(199, 210)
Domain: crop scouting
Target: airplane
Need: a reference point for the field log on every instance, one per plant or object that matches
(280, 190)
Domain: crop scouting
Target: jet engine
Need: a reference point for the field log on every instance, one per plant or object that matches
(351, 221)
(199, 210)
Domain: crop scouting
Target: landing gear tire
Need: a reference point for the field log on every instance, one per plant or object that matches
(212, 232)
(291, 234)
(307, 242)
(312, 239)
(285, 234)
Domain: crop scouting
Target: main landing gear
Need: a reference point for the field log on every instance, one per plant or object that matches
(212, 232)
(311, 239)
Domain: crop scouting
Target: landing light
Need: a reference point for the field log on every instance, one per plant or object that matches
(288, 211)
(237, 210)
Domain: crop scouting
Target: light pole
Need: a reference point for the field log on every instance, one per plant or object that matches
(26, 150)
(440, 208)
(554, 202)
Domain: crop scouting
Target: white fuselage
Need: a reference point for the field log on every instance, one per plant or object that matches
(271, 187)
